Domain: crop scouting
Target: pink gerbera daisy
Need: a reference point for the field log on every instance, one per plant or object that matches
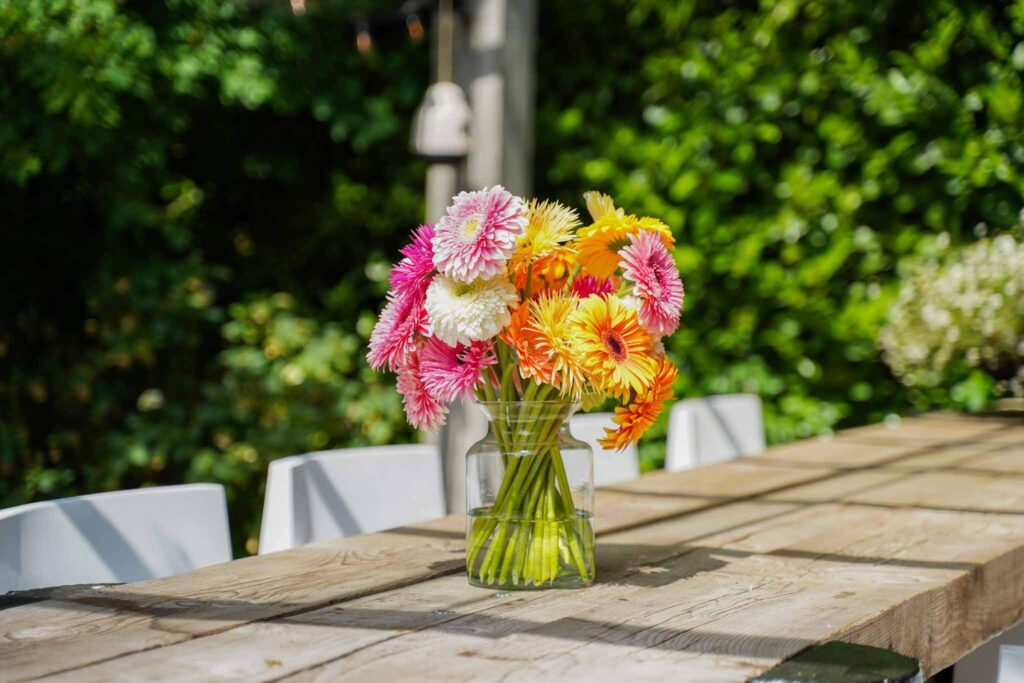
(394, 336)
(422, 408)
(479, 234)
(649, 265)
(449, 372)
(412, 274)
(585, 285)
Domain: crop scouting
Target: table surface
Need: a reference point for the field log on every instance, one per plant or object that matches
(908, 538)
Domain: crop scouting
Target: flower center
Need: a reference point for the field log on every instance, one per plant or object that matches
(615, 345)
(616, 244)
(471, 227)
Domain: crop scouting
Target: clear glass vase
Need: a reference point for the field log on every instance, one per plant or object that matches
(529, 497)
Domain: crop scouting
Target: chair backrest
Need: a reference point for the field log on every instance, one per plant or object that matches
(713, 429)
(610, 467)
(1011, 664)
(346, 492)
(999, 660)
(114, 537)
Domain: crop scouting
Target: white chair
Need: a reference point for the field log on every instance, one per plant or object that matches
(1000, 660)
(114, 537)
(713, 429)
(333, 494)
(610, 467)
(1011, 663)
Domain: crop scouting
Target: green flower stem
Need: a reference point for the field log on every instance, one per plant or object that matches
(533, 525)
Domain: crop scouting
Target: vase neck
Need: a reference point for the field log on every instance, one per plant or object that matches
(528, 424)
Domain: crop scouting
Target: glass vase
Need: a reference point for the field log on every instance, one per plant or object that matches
(529, 497)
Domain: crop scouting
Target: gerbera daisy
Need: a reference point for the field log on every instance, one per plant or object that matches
(394, 335)
(585, 285)
(461, 313)
(422, 408)
(479, 233)
(412, 274)
(598, 204)
(552, 271)
(549, 320)
(656, 283)
(450, 372)
(548, 224)
(634, 419)
(613, 349)
(523, 339)
(600, 242)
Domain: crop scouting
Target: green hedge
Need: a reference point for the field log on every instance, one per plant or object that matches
(801, 149)
(200, 200)
(198, 203)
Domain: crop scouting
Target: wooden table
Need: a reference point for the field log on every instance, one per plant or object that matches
(908, 538)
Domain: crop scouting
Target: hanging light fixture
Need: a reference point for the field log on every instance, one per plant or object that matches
(440, 129)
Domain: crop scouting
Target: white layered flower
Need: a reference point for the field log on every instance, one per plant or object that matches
(461, 313)
(968, 311)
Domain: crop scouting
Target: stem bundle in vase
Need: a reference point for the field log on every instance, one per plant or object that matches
(523, 307)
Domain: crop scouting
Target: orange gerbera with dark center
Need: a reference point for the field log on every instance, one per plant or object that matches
(613, 349)
(636, 418)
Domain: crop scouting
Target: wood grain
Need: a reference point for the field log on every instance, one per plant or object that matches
(95, 626)
(910, 538)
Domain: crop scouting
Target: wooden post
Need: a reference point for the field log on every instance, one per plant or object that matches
(494, 63)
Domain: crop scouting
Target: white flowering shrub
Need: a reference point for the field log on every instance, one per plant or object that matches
(955, 318)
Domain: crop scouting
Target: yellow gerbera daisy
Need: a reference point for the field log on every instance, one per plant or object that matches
(612, 348)
(598, 204)
(550, 314)
(636, 418)
(548, 225)
(600, 242)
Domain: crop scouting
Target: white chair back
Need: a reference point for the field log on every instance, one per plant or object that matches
(1011, 664)
(713, 429)
(610, 467)
(999, 660)
(346, 492)
(113, 537)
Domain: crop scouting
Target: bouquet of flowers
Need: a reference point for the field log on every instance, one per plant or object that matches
(517, 302)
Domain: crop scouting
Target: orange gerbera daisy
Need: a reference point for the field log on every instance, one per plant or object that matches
(550, 272)
(636, 418)
(525, 341)
(613, 349)
(600, 242)
(549, 323)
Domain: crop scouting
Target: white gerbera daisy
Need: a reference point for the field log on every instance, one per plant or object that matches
(461, 313)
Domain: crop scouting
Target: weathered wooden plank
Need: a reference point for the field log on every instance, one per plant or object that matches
(724, 610)
(797, 480)
(243, 653)
(812, 567)
(935, 429)
(99, 625)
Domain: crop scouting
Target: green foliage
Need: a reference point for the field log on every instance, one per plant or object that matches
(200, 198)
(800, 149)
(165, 168)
